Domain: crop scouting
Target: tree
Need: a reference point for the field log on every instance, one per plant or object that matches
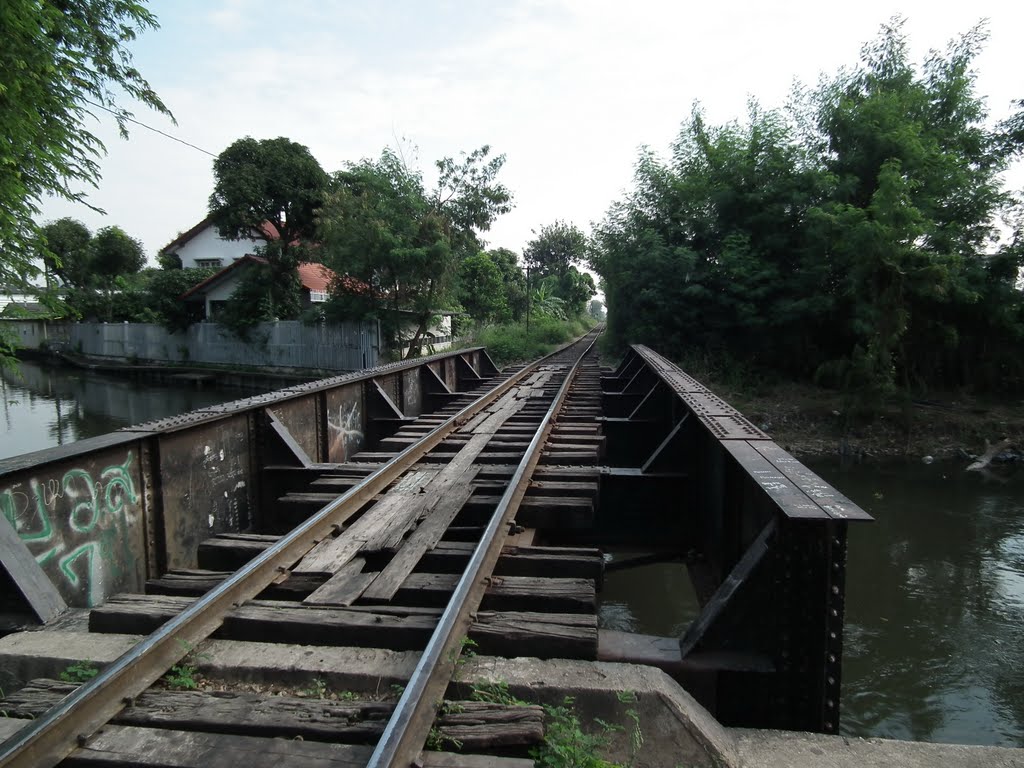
(555, 248)
(67, 251)
(275, 181)
(513, 282)
(481, 291)
(381, 227)
(270, 189)
(596, 310)
(59, 59)
(114, 253)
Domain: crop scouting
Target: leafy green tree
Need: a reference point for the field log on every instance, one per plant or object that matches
(481, 290)
(575, 288)
(513, 282)
(596, 310)
(115, 252)
(58, 61)
(555, 248)
(381, 227)
(275, 182)
(67, 251)
(853, 238)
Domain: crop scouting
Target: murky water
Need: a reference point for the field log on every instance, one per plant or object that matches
(935, 603)
(44, 406)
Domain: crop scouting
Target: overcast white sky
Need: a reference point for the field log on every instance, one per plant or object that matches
(568, 90)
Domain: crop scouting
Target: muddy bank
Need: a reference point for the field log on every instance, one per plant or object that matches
(808, 422)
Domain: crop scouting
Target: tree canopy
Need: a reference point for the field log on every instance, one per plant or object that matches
(398, 244)
(275, 181)
(59, 60)
(853, 238)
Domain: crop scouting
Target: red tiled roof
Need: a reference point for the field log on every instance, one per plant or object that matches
(314, 277)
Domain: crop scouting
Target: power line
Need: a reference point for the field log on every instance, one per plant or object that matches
(148, 127)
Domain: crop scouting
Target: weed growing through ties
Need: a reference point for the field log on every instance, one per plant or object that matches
(80, 672)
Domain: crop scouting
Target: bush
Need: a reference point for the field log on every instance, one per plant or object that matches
(511, 343)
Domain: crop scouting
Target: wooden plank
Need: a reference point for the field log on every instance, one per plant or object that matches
(505, 593)
(228, 712)
(344, 587)
(425, 537)
(544, 635)
(399, 629)
(331, 554)
(27, 575)
(342, 757)
(121, 745)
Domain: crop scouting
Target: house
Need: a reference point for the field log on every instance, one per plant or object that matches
(202, 245)
(215, 290)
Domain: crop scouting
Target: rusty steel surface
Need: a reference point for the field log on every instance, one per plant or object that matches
(51, 737)
(407, 730)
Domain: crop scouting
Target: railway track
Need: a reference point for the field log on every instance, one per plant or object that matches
(421, 548)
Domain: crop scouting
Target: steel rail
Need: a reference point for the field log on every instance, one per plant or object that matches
(413, 716)
(50, 738)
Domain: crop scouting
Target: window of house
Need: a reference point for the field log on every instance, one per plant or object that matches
(317, 296)
(208, 262)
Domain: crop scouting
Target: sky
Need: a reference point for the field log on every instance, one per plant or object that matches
(568, 90)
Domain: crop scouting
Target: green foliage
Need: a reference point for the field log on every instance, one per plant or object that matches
(265, 292)
(513, 283)
(57, 61)
(182, 677)
(567, 745)
(151, 296)
(79, 672)
(853, 238)
(67, 251)
(513, 343)
(114, 253)
(496, 692)
(275, 181)
(481, 290)
(399, 247)
(555, 248)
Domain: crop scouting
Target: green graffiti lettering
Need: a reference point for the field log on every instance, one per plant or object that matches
(119, 486)
(85, 514)
(87, 551)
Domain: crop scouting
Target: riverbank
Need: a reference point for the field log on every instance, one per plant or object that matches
(810, 421)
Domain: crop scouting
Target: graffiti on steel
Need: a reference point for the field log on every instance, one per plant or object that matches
(345, 431)
(76, 525)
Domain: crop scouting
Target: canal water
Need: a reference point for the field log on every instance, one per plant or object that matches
(43, 406)
(935, 603)
(935, 587)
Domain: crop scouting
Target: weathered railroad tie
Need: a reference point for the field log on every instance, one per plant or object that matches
(355, 522)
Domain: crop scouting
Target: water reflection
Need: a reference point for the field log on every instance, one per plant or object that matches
(935, 603)
(45, 406)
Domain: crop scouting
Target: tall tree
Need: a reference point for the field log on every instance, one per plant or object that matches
(67, 251)
(115, 252)
(267, 181)
(380, 226)
(269, 189)
(481, 289)
(555, 248)
(59, 60)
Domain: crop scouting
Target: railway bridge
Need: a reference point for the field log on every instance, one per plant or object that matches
(396, 566)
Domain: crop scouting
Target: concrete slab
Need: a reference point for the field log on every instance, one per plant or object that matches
(785, 749)
(28, 655)
(676, 730)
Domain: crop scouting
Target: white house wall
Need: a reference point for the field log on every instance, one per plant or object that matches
(209, 245)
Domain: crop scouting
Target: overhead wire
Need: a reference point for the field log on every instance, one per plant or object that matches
(122, 116)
